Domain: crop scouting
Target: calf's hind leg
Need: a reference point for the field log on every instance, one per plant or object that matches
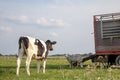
(20, 54)
(28, 60)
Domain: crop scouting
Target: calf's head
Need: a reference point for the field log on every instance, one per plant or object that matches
(49, 44)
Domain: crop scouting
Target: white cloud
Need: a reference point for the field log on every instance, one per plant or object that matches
(21, 19)
(50, 22)
(54, 34)
(57, 22)
(5, 29)
(42, 21)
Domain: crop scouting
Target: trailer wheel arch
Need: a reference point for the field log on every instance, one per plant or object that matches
(117, 60)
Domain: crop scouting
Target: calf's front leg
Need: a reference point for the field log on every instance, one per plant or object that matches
(38, 66)
(44, 65)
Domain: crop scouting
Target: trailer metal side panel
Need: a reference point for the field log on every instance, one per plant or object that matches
(107, 33)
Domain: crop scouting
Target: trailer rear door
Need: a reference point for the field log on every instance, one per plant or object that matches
(107, 33)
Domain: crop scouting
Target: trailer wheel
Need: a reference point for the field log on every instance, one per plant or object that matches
(117, 61)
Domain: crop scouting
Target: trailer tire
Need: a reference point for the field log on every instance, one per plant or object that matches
(117, 60)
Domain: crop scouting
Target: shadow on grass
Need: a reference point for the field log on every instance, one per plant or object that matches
(49, 66)
(63, 67)
(12, 69)
(7, 69)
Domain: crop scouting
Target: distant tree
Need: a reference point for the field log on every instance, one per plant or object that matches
(90, 53)
(0, 54)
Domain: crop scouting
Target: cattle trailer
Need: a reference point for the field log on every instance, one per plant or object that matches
(107, 37)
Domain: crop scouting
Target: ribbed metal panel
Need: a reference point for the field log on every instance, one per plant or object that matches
(110, 29)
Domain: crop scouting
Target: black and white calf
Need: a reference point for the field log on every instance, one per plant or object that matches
(36, 48)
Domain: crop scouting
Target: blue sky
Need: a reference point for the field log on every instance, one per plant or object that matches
(69, 22)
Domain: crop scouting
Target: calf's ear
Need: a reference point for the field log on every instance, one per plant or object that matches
(54, 42)
(36, 41)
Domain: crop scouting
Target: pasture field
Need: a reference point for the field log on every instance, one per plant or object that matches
(56, 69)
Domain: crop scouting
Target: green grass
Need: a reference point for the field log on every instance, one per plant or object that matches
(56, 69)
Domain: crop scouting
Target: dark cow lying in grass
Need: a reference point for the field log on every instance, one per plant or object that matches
(74, 60)
(32, 47)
